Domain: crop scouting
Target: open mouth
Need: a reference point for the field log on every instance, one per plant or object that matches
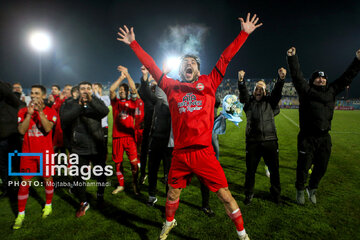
(188, 72)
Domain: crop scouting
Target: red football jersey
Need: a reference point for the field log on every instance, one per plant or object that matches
(192, 104)
(139, 113)
(36, 140)
(123, 118)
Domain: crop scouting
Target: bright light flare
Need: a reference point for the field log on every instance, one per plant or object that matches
(172, 63)
(40, 41)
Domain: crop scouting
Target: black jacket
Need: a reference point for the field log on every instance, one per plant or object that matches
(161, 122)
(317, 103)
(260, 114)
(87, 137)
(9, 106)
(149, 102)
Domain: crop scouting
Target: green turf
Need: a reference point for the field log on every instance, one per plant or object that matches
(336, 216)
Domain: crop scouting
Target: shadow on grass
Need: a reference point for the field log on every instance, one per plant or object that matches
(110, 211)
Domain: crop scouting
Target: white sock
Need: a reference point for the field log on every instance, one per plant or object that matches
(168, 224)
(21, 213)
(48, 204)
(235, 211)
(241, 233)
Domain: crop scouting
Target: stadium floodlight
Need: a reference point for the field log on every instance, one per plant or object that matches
(40, 41)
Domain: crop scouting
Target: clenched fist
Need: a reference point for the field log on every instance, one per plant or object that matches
(282, 73)
(241, 75)
(291, 51)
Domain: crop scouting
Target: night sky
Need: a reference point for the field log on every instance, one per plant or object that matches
(326, 36)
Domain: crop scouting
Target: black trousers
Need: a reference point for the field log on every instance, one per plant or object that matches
(144, 150)
(158, 151)
(270, 152)
(312, 150)
(80, 184)
(7, 145)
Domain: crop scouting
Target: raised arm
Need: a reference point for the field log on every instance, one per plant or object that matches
(130, 80)
(300, 84)
(45, 123)
(115, 86)
(247, 27)
(243, 91)
(277, 90)
(128, 37)
(346, 78)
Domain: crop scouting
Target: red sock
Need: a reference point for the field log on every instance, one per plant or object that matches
(23, 196)
(170, 209)
(119, 175)
(49, 191)
(236, 217)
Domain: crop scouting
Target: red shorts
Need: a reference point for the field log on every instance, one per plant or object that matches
(138, 136)
(199, 161)
(122, 144)
(31, 165)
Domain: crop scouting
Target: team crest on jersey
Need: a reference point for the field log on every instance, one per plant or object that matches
(126, 104)
(189, 103)
(19, 119)
(54, 118)
(200, 86)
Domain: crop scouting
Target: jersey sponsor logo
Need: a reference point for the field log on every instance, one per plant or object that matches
(137, 111)
(189, 103)
(35, 132)
(200, 86)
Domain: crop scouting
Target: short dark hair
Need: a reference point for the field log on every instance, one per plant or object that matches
(85, 83)
(99, 85)
(197, 59)
(125, 86)
(57, 86)
(42, 88)
(74, 89)
(67, 85)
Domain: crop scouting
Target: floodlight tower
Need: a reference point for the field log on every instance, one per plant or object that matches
(40, 41)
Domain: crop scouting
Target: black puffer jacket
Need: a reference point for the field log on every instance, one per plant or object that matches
(161, 122)
(260, 114)
(317, 103)
(87, 137)
(149, 102)
(9, 106)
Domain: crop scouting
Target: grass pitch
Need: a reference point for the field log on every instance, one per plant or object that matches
(126, 216)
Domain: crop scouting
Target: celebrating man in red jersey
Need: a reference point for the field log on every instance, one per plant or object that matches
(191, 103)
(36, 122)
(124, 128)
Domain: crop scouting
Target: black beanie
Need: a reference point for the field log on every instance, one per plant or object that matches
(317, 74)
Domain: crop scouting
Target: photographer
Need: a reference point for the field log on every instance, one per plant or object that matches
(83, 116)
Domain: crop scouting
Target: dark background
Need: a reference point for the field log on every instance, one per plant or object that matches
(326, 35)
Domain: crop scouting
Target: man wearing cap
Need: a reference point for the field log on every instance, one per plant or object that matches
(191, 104)
(317, 102)
(261, 138)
